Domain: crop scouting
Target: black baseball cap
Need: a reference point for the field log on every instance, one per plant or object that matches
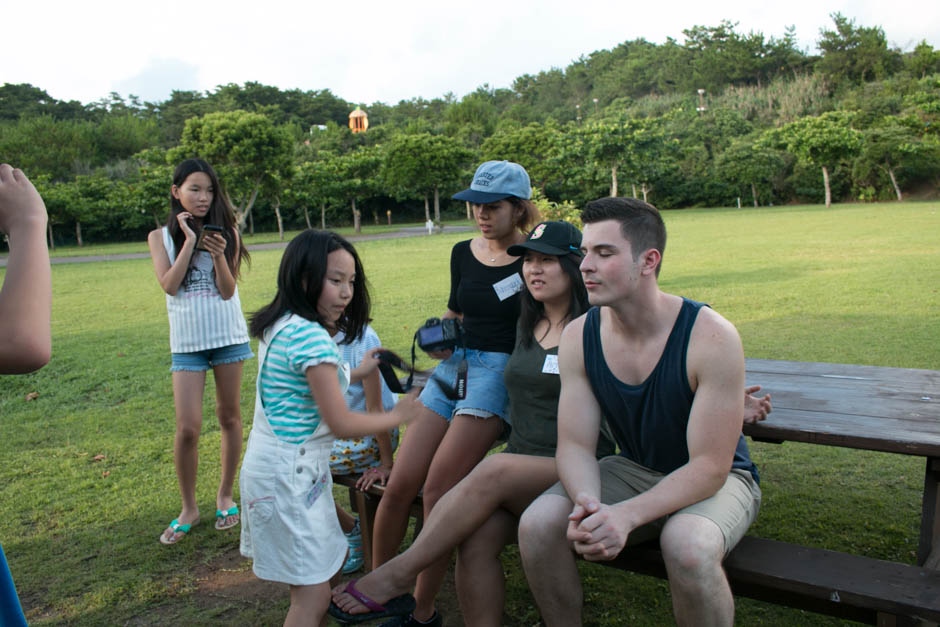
(551, 238)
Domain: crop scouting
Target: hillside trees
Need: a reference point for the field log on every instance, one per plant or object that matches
(64, 148)
(534, 146)
(637, 149)
(612, 119)
(855, 53)
(823, 141)
(315, 183)
(357, 176)
(923, 61)
(23, 100)
(747, 163)
(422, 164)
(150, 189)
(892, 146)
(720, 55)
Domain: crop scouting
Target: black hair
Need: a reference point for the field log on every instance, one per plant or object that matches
(640, 223)
(531, 310)
(300, 281)
(220, 214)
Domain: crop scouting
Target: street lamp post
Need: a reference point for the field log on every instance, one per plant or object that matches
(595, 106)
(701, 101)
(577, 109)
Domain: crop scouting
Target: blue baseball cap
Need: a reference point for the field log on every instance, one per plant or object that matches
(495, 180)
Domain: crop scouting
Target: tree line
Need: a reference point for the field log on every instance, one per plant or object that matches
(723, 117)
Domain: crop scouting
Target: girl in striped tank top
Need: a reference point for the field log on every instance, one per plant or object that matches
(198, 268)
(290, 528)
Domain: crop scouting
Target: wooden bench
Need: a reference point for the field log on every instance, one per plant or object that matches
(827, 582)
(885, 409)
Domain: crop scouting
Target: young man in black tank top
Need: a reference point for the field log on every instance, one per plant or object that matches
(667, 373)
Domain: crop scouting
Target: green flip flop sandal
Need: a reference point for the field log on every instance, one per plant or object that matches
(177, 528)
(222, 514)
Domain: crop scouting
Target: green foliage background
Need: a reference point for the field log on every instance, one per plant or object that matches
(716, 116)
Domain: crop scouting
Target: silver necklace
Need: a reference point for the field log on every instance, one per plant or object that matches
(486, 251)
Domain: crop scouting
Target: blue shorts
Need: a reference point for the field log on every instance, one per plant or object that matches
(201, 361)
(486, 392)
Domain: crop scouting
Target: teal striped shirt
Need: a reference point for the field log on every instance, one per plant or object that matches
(289, 406)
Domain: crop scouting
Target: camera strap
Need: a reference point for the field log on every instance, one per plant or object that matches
(462, 371)
(389, 360)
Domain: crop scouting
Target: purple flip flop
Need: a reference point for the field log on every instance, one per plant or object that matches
(399, 606)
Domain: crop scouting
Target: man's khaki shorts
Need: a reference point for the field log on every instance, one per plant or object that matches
(733, 508)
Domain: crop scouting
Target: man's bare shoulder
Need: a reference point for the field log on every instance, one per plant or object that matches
(711, 324)
(571, 346)
(714, 340)
(574, 329)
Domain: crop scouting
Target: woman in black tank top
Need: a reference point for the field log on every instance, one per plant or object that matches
(450, 437)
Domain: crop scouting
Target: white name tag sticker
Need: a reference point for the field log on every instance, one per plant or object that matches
(551, 364)
(508, 286)
(314, 493)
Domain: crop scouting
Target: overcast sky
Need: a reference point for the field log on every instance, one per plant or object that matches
(379, 51)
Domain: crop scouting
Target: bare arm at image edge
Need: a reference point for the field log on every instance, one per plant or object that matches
(26, 296)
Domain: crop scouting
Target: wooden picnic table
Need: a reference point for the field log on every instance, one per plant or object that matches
(894, 410)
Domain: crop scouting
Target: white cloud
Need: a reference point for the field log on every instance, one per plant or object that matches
(370, 50)
(158, 78)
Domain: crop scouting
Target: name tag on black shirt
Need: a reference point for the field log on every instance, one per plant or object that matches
(508, 286)
(551, 364)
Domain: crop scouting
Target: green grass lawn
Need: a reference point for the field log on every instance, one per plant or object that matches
(852, 284)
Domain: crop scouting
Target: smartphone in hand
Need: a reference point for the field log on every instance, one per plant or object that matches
(206, 230)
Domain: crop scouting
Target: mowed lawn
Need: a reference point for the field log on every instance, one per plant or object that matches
(86, 474)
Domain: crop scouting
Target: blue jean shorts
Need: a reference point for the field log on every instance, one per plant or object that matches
(486, 392)
(201, 361)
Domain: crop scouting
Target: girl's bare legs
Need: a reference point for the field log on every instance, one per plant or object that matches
(308, 605)
(228, 381)
(466, 442)
(188, 387)
(481, 585)
(421, 439)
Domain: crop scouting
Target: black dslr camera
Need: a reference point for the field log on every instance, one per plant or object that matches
(437, 334)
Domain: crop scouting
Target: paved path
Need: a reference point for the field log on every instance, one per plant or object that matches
(408, 231)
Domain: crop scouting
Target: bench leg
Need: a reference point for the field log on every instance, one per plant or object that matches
(928, 552)
(364, 505)
(890, 620)
(368, 506)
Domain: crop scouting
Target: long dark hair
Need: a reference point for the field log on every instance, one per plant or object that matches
(300, 281)
(531, 310)
(220, 214)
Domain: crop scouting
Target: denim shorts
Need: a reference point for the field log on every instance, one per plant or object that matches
(203, 360)
(486, 392)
